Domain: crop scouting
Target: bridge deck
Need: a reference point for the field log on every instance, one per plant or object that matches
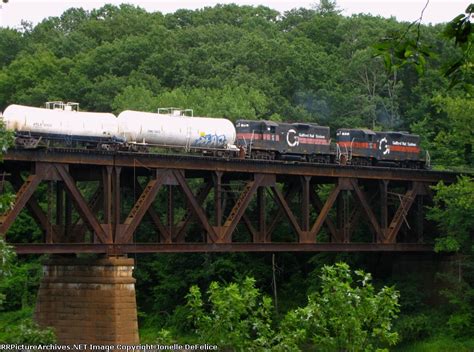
(192, 162)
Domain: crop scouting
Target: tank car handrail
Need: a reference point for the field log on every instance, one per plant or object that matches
(172, 111)
(60, 105)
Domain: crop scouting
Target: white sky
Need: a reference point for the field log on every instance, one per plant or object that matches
(437, 11)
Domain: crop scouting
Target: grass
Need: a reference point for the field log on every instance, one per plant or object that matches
(439, 344)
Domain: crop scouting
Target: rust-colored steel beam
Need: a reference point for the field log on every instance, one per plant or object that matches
(76, 230)
(248, 224)
(324, 212)
(193, 162)
(140, 209)
(182, 225)
(289, 194)
(318, 204)
(84, 211)
(36, 212)
(280, 199)
(22, 197)
(239, 208)
(120, 249)
(367, 210)
(165, 235)
(196, 207)
(115, 235)
(405, 205)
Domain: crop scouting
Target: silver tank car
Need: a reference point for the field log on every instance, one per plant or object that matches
(176, 130)
(61, 124)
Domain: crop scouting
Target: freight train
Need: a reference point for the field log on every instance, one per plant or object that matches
(63, 124)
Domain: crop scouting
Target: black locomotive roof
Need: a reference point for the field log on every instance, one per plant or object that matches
(363, 130)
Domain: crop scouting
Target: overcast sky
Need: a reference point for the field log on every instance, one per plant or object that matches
(437, 11)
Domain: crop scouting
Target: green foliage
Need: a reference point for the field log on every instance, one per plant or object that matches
(239, 317)
(346, 314)
(450, 133)
(29, 332)
(439, 343)
(227, 61)
(452, 210)
(7, 256)
(416, 327)
(21, 286)
(6, 140)
(229, 102)
(460, 29)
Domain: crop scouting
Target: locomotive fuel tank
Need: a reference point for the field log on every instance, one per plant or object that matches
(60, 123)
(176, 130)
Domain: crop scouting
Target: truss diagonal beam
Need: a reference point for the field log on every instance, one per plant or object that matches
(23, 195)
(245, 218)
(318, 204)
(202, 195)
(36, 212)
(324, 213)
(288, 196)
(81, 205)
(140, 208)
(287, 211)
(195, 206)
(368, 211)
(165, 235)
(239, 208)
(405, 205)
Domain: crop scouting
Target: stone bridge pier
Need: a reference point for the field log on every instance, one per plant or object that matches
(89, 301)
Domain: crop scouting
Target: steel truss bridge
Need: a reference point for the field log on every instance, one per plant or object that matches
(95, 202)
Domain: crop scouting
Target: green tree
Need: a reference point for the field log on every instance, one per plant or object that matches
(452, 210)
(346, 314)
(239, 317)
(449, 132)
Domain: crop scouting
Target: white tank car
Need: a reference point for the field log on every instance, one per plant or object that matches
(61, 124)
(176, 130)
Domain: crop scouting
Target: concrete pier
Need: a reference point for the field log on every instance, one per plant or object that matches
(89, 301)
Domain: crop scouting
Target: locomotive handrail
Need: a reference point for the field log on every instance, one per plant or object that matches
(250, 143)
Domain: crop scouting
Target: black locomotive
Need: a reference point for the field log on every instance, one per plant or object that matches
(284, 141)
(366, 147)
(311, 142)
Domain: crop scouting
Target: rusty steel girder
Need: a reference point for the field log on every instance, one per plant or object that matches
(215, 204)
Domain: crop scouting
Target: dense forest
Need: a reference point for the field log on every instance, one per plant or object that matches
(255, 63)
